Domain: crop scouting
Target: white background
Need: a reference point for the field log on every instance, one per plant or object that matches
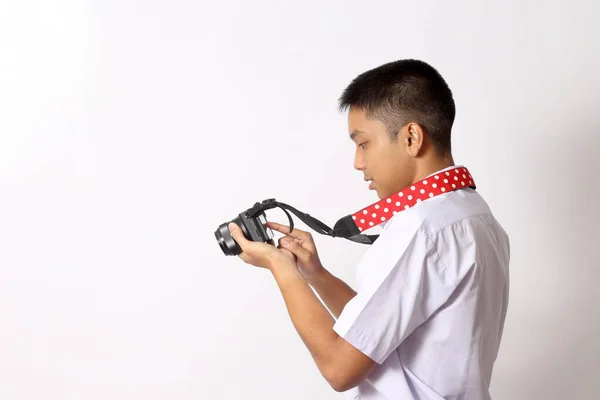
(129, 130)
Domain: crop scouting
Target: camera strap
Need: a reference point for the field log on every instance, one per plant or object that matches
(351, 226)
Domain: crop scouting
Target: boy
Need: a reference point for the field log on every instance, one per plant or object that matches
(432, 291)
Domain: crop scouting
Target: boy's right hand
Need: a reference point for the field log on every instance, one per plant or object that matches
(302, 245)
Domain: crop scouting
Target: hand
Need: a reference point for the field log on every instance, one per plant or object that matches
(259, 254)
(302, 246)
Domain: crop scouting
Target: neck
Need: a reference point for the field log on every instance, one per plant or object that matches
(432, 166)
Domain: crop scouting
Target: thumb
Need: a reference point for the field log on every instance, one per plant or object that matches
(289, 244)
(237, 235)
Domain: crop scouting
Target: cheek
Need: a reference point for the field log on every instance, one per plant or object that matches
(387, 164)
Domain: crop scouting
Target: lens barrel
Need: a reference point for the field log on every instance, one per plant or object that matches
(226, 241)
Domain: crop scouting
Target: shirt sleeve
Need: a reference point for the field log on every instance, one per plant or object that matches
(406, 284)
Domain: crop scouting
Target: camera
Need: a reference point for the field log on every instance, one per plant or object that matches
(252, 222)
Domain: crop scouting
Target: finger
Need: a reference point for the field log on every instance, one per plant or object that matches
(290, 244)
(245, 258)
(288, 253)
(296, 233)
(238, 235)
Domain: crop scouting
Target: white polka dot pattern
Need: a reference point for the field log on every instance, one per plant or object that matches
(384, 209)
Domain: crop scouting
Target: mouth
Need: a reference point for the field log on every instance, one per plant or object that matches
(370, 181)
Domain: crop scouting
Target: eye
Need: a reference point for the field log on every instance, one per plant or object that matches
(362, 145)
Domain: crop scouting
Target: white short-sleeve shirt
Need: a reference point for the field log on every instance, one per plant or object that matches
(432, 295)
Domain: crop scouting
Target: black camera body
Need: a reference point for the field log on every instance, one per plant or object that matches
(252, 222)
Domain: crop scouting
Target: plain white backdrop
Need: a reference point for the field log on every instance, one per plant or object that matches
(130, 130)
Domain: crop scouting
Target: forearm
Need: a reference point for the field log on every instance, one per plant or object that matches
(311, 319)
(334, 292)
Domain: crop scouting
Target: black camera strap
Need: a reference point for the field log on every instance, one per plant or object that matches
(344, 228)
(351, 226)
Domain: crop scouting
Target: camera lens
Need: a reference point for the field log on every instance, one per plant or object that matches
(226, 241)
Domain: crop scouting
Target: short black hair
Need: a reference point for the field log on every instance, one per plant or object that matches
(405, 91)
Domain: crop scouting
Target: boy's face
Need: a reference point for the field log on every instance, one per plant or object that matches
(388, 164)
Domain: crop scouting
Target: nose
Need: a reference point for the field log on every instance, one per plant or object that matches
(359, 161)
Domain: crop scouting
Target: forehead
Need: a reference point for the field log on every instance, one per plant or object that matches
(360, 125)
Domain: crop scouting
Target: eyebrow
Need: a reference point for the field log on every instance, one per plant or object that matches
(355, 133)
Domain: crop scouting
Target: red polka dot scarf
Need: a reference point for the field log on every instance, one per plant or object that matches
(447, 181)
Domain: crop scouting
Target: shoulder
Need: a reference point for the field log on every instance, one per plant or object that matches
(431, 216)
(449, 230)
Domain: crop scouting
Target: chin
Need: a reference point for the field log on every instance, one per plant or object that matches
(380, 192)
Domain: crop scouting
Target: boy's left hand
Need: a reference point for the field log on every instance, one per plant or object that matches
(259, 254)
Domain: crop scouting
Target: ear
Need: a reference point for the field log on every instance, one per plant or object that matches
(413, 137)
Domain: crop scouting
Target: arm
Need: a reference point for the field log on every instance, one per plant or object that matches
(334, 292)
(341, 364)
